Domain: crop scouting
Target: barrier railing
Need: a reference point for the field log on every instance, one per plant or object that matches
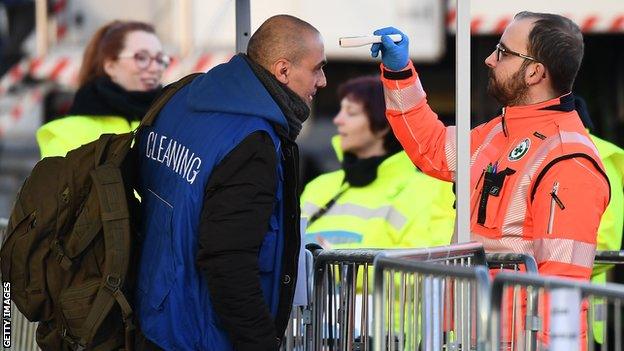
(23, 332)
(526, 336)
(612, 257)
(608, 325)
(342, 294)
(421, 301)
(511, 261)
(298, 336)
(566, 299)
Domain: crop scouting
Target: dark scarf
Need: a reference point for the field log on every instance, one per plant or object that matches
(361, 172)
(293, 106)
(103, 97)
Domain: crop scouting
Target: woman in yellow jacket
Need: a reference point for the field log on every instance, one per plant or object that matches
(119, 78)
(612, 222)
(378, 199)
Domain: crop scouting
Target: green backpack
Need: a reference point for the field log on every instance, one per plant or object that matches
(71, 243)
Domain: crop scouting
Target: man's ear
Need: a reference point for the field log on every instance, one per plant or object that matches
(535, 74)
(281, 70)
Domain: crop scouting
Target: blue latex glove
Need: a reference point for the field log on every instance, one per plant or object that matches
(394, 56)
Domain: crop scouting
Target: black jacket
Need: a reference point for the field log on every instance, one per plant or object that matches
(241, 194)
(243, 183)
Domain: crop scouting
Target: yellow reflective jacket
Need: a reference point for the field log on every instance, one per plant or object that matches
(402, 207)
(611, 224)
(60, 136)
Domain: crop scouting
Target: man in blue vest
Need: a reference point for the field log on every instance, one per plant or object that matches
(219, 191)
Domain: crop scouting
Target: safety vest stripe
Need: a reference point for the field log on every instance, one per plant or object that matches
(403, 99)
(513, 222)
(308, 209)
(564, 251)
(560, 250)
(514, 219)
(497, 129)
(450, 149)
(575, 137)
(505, 244)
(388, 213)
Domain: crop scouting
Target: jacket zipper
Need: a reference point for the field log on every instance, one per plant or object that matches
(554, 201)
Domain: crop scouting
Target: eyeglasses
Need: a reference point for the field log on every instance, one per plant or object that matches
(501, 50)
(143, 59)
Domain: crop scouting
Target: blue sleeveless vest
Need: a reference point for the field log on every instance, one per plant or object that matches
(177, 156)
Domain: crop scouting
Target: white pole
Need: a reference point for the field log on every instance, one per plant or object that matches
(462, 118)
(41, 25)
(243, 25)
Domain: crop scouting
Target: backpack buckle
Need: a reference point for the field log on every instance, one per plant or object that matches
(112, 283)
(73, 344)
(61, 258)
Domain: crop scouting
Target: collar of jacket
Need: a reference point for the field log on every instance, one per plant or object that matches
(519, 119)
(103, 97)
(293, 107)
(359, 173)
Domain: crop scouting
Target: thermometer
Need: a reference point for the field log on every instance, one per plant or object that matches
(349, 42)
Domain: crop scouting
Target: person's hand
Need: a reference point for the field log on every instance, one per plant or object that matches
(394, 56)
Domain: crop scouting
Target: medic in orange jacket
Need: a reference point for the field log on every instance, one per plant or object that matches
(537, 183)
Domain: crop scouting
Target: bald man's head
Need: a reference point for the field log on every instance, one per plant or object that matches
(281, 36)
(293, 52)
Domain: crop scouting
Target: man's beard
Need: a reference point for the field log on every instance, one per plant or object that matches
(512, 92)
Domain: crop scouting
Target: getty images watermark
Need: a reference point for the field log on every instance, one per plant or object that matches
(6, 314)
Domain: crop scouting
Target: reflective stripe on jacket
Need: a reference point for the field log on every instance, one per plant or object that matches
(60, 136)
(402, 207)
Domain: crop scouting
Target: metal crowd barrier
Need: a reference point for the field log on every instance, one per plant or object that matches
(609, 257)
(342, 295)
(598, 313)
(23, 332)
(298, 336)
(511, 261)
(524, 305)
(425, 321)
(566, 299)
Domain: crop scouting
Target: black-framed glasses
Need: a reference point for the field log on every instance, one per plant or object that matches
(501, 50)
(143, 59)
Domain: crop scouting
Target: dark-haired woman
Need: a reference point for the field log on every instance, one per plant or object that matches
(378, 199)
(119, 78)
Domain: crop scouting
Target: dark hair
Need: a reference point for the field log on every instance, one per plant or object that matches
(107, 43)
(369, 92)
(281, 36)
(556, 42)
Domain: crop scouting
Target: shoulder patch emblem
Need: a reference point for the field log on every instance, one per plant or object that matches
(520, 150)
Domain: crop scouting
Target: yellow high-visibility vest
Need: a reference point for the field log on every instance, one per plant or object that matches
(402, 207)
(60, 136)
(611, 224)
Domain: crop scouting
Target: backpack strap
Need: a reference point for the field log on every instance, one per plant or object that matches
(109, 185)
(162, 99)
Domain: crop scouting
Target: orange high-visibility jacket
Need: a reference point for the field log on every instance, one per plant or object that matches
(537, 182)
